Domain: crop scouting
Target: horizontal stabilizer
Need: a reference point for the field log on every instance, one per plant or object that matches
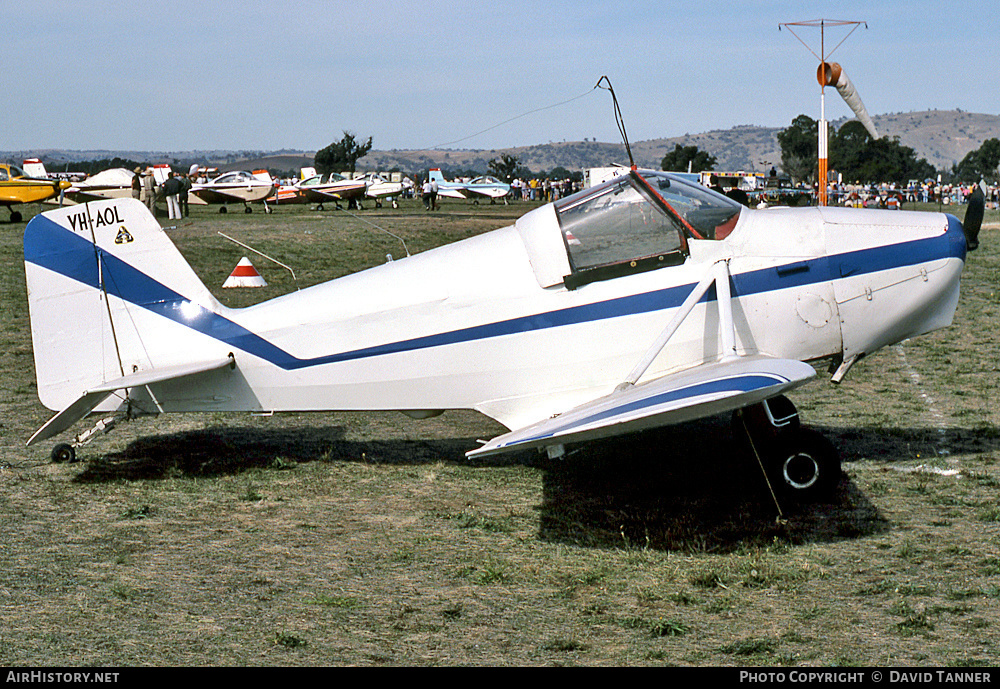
(676, 398)
(89, 400)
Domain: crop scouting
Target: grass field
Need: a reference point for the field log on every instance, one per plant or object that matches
(368, 539)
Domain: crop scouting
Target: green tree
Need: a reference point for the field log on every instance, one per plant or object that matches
(341, 155)
(504, 168)
(559, 173)
(979, 164)
(683, 158)
(860, 158)
(799, 155)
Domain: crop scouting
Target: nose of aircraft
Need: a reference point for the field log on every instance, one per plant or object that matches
(896, 275)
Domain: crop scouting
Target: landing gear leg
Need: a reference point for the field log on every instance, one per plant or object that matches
(66, 452)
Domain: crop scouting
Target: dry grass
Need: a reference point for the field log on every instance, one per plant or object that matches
(366, 539)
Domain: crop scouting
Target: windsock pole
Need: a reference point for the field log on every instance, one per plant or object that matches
(823, 137)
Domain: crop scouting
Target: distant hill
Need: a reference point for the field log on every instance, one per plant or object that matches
(941, 137)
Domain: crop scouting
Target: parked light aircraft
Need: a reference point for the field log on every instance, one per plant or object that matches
(377, 187)
(640, 302)
(475, 189)
(236, 187)
(115, 183)
(335, 188)
(17, 188)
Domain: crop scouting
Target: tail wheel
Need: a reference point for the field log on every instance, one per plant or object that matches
(805, 466)
(63, 452)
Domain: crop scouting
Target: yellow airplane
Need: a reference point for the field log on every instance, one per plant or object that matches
(16, 188)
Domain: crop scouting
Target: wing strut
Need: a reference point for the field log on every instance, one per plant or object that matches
(718, 275)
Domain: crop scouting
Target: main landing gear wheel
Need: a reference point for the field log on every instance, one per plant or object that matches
(223, 209)
(247, 209)
(804, 466)
(800, 464)
(63, 452)
(15, 216)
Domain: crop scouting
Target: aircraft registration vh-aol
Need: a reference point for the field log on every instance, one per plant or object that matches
(640, 302)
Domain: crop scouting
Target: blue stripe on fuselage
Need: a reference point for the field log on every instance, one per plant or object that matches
(55, 248)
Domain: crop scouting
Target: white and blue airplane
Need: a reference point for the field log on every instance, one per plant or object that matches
(640, 302)
(486, 186)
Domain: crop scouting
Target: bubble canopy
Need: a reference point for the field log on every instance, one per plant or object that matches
(639, 221)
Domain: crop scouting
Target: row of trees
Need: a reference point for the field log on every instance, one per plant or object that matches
(852, 152)
(507, 168)
(860, 158)
(980, 164)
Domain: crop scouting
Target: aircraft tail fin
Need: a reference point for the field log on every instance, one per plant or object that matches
(435, 174)
(263, 176)
(109, 296)
(34, 168)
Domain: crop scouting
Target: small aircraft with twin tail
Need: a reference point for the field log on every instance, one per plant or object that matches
(643, 301)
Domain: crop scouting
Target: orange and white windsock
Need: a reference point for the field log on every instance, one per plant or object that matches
(832, 74)
(244, 275)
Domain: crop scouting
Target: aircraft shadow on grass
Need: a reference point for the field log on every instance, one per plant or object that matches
(690, 487)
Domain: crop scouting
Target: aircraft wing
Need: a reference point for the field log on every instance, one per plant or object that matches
(343, 193)
(89, 400)
(215, 195)
(454, 192)
(489, 192)
(675, 398)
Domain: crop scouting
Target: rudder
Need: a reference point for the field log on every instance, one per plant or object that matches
(97, 276)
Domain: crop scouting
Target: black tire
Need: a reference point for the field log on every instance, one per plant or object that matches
(804, 466)
(15, 216)
(63, 452)
(248, 209)
(223, 209)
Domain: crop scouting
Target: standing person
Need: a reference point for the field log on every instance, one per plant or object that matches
(172, 190)
(137, 184)
(149, 189)
(183, 196)
(427, 194)
(434, 195)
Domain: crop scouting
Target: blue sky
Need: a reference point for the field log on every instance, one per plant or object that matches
(267, 75)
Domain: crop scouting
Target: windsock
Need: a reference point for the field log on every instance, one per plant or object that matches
(244, 275)
(832, 74)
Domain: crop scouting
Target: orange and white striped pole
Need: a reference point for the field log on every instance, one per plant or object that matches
(823, 134)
